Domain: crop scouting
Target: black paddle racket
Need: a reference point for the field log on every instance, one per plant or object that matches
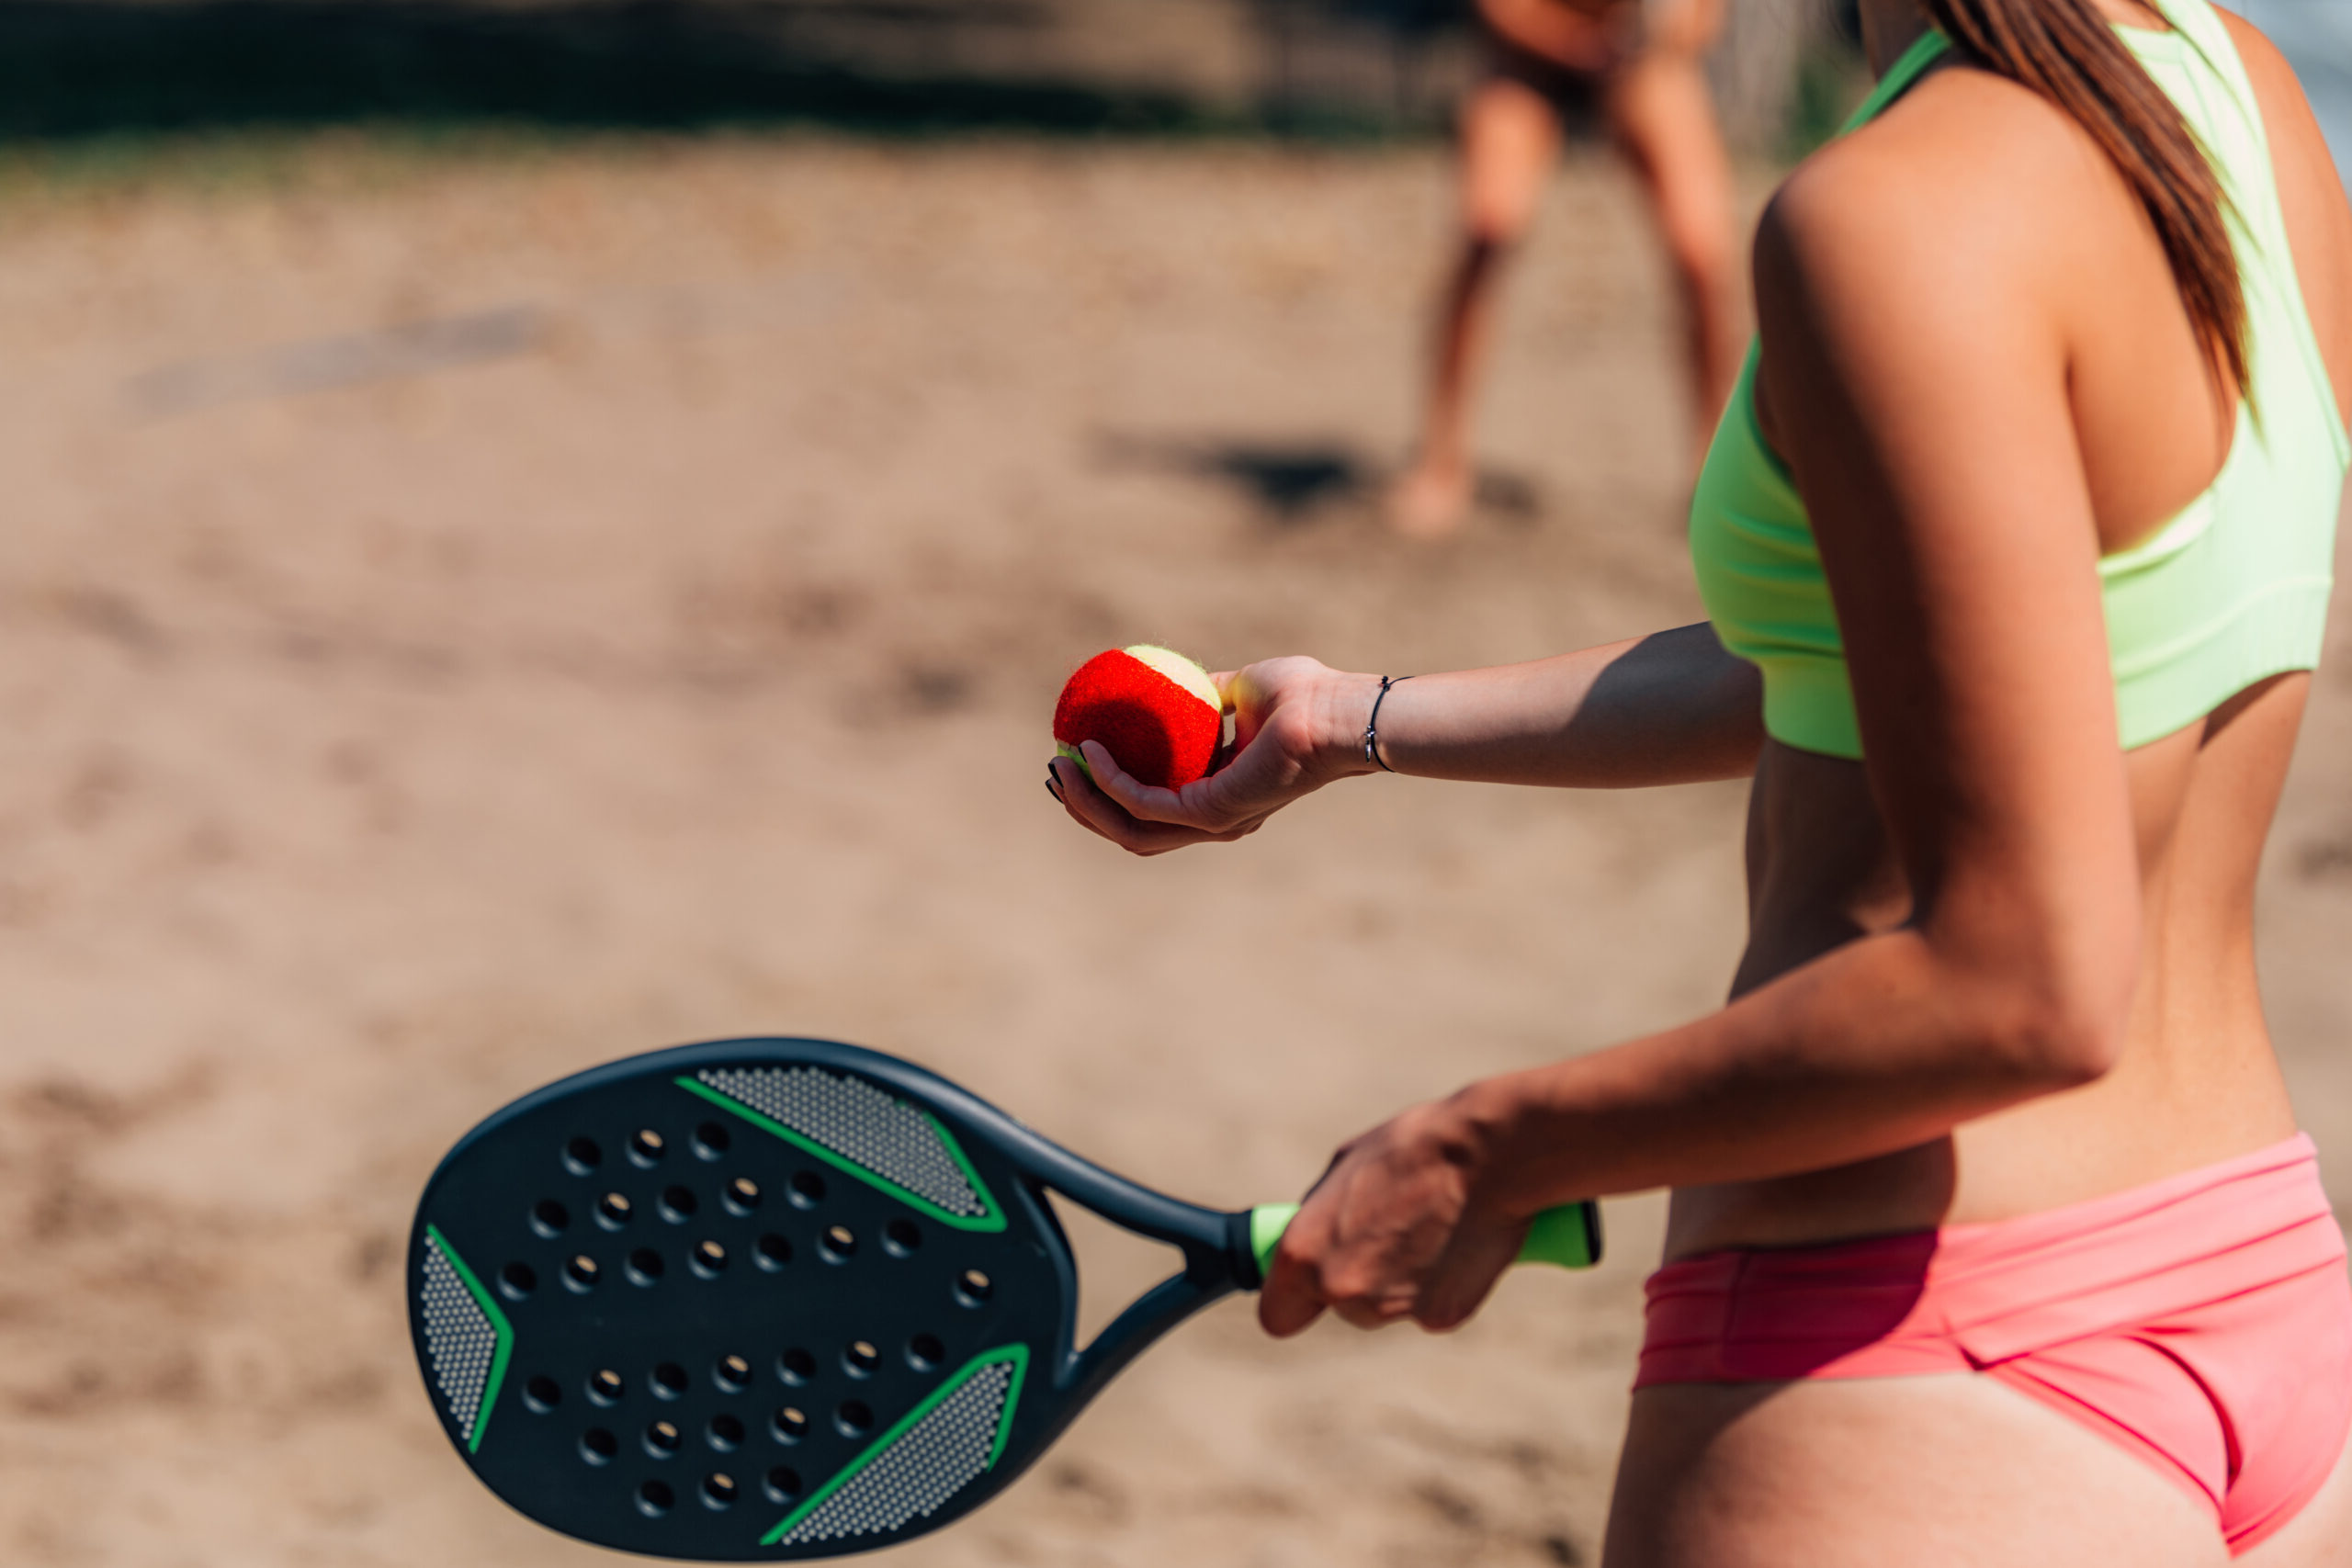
(774, 1299)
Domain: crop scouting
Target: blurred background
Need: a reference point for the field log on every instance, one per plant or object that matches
(1333, 67)
(541, 530)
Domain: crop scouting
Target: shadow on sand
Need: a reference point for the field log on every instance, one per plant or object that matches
(1292, 483)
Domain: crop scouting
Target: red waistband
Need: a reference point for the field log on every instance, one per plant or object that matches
(1978, 1294)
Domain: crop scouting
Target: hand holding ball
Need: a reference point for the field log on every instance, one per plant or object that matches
(1153, 709)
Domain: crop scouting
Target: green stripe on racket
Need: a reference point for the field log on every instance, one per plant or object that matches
(768, 1299)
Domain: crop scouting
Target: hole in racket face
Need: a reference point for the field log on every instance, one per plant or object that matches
(517, 1280)
(724, 1433)
(732, 1374)
(741, 1196)
(974, 1287)
(646, 1148)
(549, 1217)
(542, 1394)
(661, 1440)
(669, 1380)
(644, 1266)
(924, 1352)
(859, 1359)
(655, 1499)
(580, 1273)
(782, 1484)
(790, 1424)
(808, 1190)
(605, 1388)
(901, 1237)
(838, 1244)
(677, 1205)
(613, 1211)
(772, 1252)
(708, 1258)
(718, 1490)
(598, 1446)
(710, 1141)
(854, 1418)
(796, 1367)
(582, 1156)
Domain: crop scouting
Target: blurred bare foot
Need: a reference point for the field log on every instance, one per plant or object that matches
(1430, 501)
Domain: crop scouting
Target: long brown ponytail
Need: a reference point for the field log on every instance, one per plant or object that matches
(2066, 52)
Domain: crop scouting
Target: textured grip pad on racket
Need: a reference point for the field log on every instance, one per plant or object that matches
(946, 1444)
(864, 1130)
(466, 1338)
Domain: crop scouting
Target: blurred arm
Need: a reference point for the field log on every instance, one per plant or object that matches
(1577, 37)
(1602, 34)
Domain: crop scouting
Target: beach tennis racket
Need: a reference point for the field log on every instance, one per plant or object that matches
(763, 1299)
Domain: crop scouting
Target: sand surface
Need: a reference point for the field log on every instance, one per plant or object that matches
(461, 622)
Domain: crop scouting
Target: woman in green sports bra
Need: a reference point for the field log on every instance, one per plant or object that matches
(1993, 1239)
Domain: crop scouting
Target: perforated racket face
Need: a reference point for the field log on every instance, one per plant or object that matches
(742, 1308)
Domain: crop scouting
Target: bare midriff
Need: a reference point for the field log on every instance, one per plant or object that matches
(2197, 1081)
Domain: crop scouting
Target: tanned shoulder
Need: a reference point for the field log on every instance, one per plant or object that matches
(1967, 171)
(1959, 222)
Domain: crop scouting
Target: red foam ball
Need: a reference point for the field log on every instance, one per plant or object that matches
(1161, 730)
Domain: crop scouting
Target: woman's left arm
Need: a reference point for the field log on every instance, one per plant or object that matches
(1920, 385)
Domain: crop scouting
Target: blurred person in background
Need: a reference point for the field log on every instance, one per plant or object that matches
(1992, 1237)
(1555, 66)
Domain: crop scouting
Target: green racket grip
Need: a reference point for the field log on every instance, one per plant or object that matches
(1568, 1236)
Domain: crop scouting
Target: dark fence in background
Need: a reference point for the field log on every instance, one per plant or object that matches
(83, 68)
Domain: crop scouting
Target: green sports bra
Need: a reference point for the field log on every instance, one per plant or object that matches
(2232, 590)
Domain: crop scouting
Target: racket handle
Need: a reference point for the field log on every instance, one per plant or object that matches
(1569, 1236)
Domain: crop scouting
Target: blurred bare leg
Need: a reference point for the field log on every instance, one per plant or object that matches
(1509, 138)
(1664, 120)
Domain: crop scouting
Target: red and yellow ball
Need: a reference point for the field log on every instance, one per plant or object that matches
(1153, 709)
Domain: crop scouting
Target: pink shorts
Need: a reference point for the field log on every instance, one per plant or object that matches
(2202, 1323)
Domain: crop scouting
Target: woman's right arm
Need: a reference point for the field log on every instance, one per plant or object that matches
(1672, 707)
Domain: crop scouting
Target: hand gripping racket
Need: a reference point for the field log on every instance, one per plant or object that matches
(766, 1300)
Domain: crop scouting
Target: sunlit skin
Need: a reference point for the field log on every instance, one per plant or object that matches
(1646, 65)
(2000, 967)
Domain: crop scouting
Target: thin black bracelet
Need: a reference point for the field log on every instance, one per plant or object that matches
(1371, 724)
